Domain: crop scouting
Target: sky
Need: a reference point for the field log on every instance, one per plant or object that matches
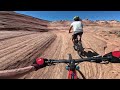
(68, 15)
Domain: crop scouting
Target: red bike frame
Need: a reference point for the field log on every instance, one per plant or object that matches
(72, 74)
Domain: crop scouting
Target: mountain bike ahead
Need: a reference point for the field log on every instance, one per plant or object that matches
(78, 47)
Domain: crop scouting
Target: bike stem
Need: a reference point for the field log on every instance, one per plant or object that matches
(72, 70)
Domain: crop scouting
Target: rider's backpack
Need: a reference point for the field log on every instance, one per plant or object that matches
(115, 56)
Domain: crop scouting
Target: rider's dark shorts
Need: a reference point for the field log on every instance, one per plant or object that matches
(74, 36)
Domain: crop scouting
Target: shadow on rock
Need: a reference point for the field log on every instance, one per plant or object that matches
(90, 54)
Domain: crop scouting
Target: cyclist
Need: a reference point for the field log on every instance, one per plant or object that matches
(77, 28)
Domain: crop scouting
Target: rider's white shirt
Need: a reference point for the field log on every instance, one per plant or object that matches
(77, 26)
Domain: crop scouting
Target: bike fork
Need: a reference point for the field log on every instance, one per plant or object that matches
(72, 75)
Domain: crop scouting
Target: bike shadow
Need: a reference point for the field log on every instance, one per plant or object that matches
(90, 54)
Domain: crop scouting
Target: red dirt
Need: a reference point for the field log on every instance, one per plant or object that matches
(19, 48)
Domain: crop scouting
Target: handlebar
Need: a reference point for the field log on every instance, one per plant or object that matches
(91, 59)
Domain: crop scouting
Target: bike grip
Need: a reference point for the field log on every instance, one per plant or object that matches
(39, 63)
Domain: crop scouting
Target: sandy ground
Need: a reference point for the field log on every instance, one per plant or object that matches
(24, 38)
(60, 46)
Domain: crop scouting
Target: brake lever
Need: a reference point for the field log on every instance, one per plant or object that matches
(51, 64)
(104, 62)
(97, 56)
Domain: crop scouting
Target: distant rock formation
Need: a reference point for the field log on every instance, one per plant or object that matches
(10, 20)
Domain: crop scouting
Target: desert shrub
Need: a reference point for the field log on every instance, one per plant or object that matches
(110, 32)
(118, 34)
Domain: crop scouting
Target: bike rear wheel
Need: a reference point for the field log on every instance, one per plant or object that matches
(80, 49)
(69, 57)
